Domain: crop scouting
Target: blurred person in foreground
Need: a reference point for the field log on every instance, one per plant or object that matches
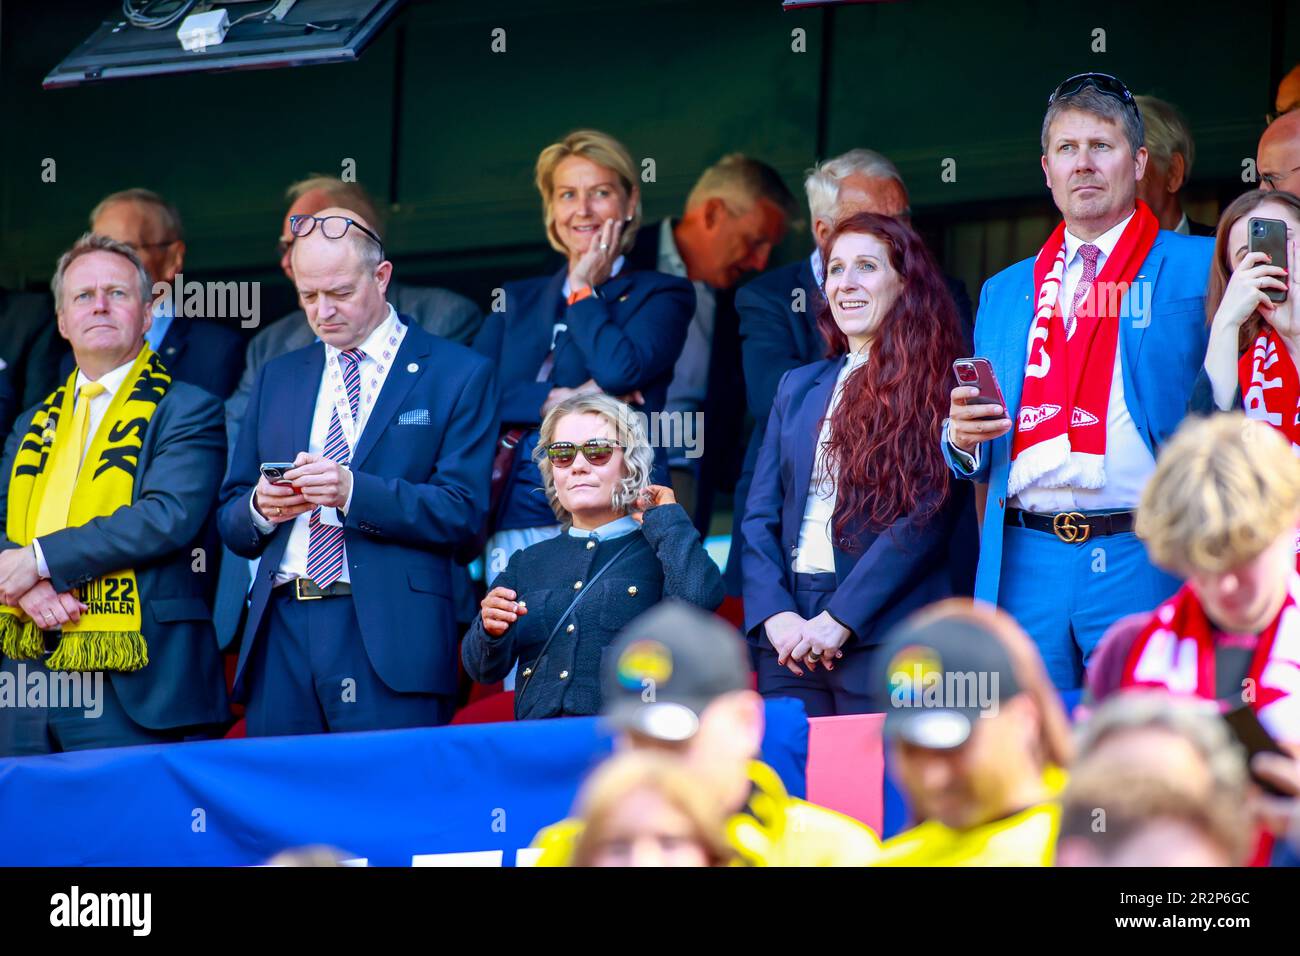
(977, 737)
(1158, 781)
(649, 809)
(627, 543)
(1220, 511)
(702, 709)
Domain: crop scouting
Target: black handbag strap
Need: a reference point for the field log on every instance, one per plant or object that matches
(568, 611)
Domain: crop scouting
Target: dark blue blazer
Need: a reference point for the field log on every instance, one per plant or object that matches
(880, 577)
(203, 353)
(627, 339)
(176, 480)
(419, 488)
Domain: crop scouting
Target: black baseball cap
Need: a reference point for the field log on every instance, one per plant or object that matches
(666, 666)
(940, 677)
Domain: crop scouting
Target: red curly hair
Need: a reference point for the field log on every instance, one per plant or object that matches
(885, 430)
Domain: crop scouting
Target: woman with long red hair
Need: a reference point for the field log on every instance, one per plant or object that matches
(848, 519)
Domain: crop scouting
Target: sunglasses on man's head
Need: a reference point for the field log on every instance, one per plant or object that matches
(597, 451)
(1102, 83)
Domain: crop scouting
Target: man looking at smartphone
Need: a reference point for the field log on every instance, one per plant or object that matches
(1096, 343)
(391, 431)
(1221, 511)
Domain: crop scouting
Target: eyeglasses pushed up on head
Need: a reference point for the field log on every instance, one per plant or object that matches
(334, 227)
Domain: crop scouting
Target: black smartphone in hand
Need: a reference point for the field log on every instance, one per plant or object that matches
(1269, 236)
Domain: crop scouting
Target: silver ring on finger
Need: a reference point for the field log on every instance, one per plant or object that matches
(813, 658)
(279, 512)
(604, 247)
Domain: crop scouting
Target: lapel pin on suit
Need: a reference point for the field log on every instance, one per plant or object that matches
(413, 367)
(622, 298)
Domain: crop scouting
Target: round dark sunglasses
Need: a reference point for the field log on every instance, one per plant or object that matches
(597, 451)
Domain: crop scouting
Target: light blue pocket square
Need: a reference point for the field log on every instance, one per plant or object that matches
(416, 416)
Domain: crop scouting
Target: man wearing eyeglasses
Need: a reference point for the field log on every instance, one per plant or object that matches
(199, 351)
(1096, 343)
(1278, 159)
(390, 432)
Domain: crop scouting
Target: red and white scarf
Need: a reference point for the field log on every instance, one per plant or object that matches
(1060, 434)
(1175, 651)
(1270, 391)
(1270, 387)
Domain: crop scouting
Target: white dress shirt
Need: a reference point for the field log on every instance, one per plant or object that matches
(816, 552)
(1128, 462)
(380, 348)
(690, 382)
(112, 381)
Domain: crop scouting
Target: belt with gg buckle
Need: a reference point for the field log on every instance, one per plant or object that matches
(1073, 527)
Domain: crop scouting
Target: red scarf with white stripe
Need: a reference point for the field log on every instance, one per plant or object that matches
(1175, 652)
(1270, 387)
(1060, 433)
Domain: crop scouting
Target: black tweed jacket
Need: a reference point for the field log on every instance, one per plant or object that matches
(665, 559)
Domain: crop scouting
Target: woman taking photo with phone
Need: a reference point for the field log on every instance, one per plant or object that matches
(847, 523)
(1254, 339)
(560, 602)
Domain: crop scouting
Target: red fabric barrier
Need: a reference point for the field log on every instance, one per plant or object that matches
(846, 766)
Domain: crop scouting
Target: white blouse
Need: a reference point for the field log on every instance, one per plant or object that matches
(816, 553)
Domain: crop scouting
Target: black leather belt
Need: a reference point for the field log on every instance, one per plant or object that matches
(1073, 527)
(305, 589)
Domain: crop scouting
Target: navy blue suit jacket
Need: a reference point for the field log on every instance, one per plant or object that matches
(880, 577)
(627, 339)
(419, 488)
(178, 473)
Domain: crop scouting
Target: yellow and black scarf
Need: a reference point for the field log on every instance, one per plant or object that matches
(108, 636)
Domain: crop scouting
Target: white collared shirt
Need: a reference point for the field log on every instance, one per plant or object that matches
(380, 348)
(610, 530)
(112, 381)
(1128, 462)
(816, 551)
(690, 382)
(1184, 227)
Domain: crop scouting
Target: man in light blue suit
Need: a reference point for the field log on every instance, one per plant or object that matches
(1110, 299)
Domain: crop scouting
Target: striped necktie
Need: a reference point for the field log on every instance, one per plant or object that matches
(325, 542)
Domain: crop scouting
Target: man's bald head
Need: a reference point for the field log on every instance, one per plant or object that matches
(1278, 160)
(366, 249)
(341, 282)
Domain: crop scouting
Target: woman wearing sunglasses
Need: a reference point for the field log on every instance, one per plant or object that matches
(592, 326)
(848, 521)
(560, 602)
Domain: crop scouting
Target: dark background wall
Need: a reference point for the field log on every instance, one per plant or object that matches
(445, 131)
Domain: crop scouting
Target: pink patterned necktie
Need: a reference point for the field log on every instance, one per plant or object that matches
(1090, 254)
(325, 542)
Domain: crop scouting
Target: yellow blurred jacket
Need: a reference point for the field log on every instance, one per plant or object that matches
(774, 829)
(1027, 838)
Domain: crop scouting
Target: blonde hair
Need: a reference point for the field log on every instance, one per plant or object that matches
(603, 150)
(623, 775)
(1166, 133)
(1056, 746)
(629, 432)
(1224, 489)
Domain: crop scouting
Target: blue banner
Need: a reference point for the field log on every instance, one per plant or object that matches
(391, 798)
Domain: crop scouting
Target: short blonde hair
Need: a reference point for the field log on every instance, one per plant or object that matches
(603, 150)
(1225, 488)
(632, 772)
(629, 432)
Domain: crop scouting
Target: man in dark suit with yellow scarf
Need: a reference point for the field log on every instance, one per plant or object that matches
(105, 486)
